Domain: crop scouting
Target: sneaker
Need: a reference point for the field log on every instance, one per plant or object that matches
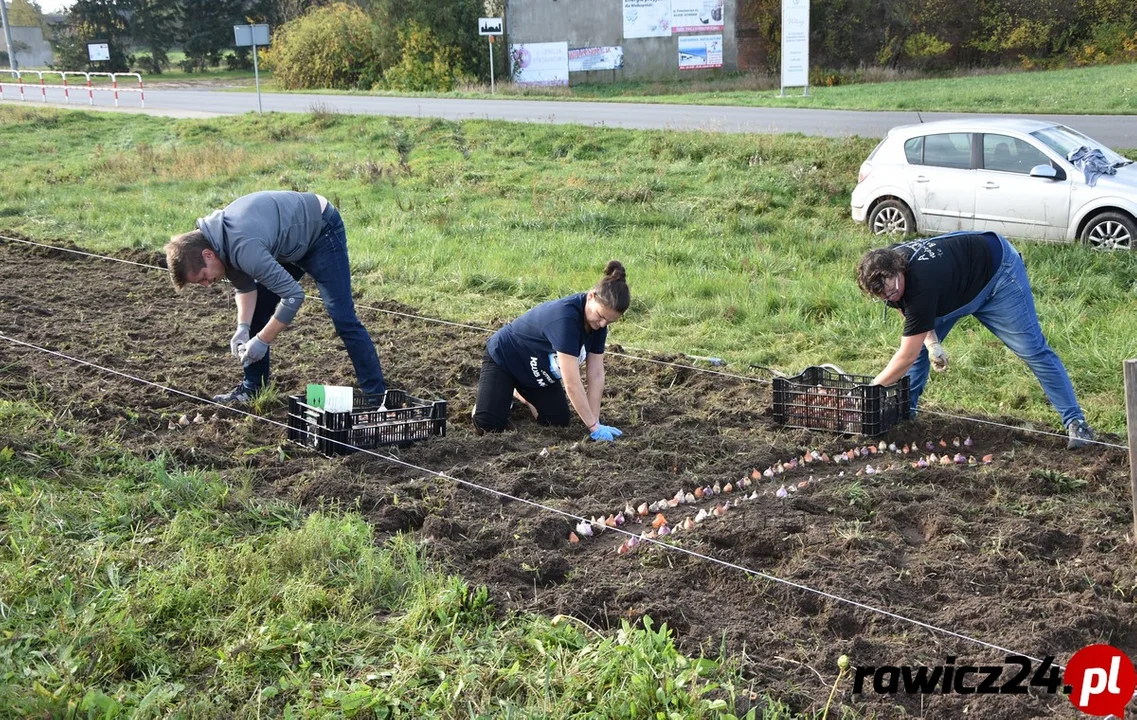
(1081, 434)
(239, 395)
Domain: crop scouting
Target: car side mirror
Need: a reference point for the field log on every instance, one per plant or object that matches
(1044, 171)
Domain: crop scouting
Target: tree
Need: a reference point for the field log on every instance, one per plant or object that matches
(93, 21)
(452, 23)
(207, 30)
(152, 25)
(23, 13)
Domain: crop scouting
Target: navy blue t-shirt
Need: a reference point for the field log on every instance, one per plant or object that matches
(528, 346)
(944, 274)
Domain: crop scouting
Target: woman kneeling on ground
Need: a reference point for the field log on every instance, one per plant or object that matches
(536, 359)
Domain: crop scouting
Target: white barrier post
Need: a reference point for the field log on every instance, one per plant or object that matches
(42, 87)
(90, 90)
(20, 81)
(66, 95)
(141, 92)
(114, 84)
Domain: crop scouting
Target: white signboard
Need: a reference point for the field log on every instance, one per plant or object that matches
(647, 18)
(700, 51)
(595, 58)
(696, 16)
(489, 26)
(97, 51)
(248, 35)
(540, 63)
(795, 43)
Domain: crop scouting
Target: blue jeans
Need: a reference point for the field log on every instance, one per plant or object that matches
(1006, 308)
(327, 263)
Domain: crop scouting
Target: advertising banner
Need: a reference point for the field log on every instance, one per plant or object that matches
(696, 16)
(700, 51)
(647, 18)
(540, 63)
(795, 43)
(595, 58)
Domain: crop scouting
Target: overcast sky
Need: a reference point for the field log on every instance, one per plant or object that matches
(55, 6)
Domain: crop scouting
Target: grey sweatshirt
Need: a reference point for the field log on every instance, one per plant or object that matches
(255, 233)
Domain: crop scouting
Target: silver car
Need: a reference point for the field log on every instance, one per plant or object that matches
(1003, 174)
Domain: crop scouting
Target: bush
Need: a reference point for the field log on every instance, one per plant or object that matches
(336, 46)
(240, 60)
(424, 63)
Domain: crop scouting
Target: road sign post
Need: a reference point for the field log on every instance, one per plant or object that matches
(12, 62)
(252, 35)
(490, 27)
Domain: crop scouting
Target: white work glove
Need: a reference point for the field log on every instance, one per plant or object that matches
(239, 338)
(938, 356)
(253, 350)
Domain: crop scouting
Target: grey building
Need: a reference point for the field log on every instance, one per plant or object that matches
(32, 49)
(594, 24)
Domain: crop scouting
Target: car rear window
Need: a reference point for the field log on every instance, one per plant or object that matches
(914, 150)
(951, 150)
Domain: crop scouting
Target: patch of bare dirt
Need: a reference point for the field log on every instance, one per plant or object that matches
(1027, 553)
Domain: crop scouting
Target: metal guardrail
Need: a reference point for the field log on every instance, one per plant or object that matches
(66, 88)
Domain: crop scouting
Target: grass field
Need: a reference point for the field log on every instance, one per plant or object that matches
(1104, 90)
(738, 247)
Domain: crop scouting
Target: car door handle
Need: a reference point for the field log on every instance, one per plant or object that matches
(921, 178)
(990, 185)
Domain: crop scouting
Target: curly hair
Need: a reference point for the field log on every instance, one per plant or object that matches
(877, 266)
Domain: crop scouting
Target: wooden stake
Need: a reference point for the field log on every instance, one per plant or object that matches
(1131, 424)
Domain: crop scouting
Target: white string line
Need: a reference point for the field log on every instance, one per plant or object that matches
(539, 506)
(422, 318)
(735, 376)
(1022, 429)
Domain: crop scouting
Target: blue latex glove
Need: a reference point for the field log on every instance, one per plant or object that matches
(253, 350)
(606, 433)
(239, 338)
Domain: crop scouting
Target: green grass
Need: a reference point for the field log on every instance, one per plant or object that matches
(1103, 90)
(131, 589)
(737, 246)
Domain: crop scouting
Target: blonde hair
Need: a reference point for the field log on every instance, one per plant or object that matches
(183, 256)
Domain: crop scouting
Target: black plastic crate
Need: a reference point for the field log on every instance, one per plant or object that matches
(821, 398)
(375, 421)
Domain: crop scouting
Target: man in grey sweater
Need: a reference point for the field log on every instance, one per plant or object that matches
(264, 243)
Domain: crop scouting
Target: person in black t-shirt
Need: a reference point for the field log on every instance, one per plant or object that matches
(935, 282)
(536, 359)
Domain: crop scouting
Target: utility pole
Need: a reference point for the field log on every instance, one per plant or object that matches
(8, 36)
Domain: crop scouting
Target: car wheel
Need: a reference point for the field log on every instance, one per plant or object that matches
(1110, 231)
(891, 217)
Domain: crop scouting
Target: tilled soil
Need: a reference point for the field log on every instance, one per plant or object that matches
(1028, 553)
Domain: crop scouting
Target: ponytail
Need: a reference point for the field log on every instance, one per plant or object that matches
(612, 290)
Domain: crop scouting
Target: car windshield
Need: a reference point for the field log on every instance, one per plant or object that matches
(1062, 140)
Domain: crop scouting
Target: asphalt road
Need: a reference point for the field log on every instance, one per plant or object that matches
(1118, 131)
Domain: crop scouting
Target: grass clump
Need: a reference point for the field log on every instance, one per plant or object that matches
(132, 588)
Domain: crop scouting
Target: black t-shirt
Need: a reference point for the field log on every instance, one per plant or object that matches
(944, 274)
(528, 346)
